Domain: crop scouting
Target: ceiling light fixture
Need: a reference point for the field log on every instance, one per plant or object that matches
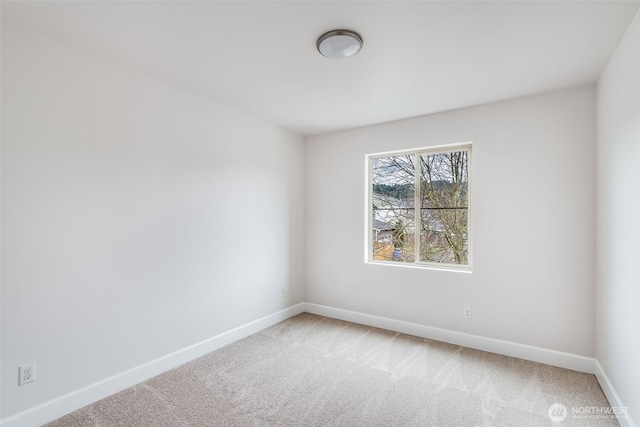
(339, 44)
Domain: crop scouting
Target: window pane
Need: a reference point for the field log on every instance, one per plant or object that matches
(444, 185)
(393, 196)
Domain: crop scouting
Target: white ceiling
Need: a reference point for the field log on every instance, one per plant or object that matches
(418, 57)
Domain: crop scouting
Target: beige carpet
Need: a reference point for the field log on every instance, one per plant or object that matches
(315, 371)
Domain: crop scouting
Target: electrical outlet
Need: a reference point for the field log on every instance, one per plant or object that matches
(285, 292)
(467, 312)
(27, 373)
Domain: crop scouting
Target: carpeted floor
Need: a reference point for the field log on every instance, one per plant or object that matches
(315, 371)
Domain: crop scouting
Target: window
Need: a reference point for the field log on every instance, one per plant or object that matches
(418, 207)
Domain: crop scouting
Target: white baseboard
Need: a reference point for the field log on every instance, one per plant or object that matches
(506, 348)
(77, 399)
(612, 396)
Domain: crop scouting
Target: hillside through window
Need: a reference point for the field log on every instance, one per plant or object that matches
(419, 207)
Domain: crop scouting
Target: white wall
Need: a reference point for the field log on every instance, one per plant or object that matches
(618, 220)
(533, 203)
(137, 219)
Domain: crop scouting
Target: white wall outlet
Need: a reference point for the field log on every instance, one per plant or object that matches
(285, 292)
(467, 313)
(27, 373)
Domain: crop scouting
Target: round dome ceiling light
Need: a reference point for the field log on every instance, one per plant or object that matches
(339, 44)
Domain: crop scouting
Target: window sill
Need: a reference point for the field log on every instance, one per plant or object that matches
(447, 267)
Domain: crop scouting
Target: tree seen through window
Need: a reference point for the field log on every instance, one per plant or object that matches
(421, 197)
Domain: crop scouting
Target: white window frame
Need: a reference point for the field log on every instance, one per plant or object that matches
(447, 148)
